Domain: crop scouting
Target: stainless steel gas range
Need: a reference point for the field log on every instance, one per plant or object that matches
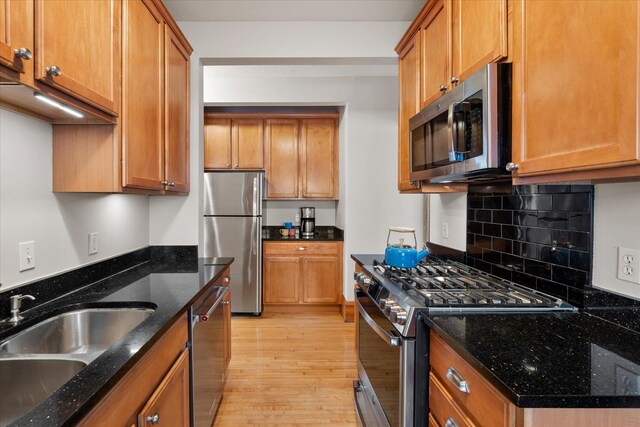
(390, 301)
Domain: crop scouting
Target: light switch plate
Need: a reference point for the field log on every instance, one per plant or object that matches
(445, 230)
(27, 255)
(93, 243)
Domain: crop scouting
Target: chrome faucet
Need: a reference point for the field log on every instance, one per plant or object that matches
(16, 303)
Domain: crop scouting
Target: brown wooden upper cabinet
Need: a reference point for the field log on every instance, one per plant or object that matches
(301, 158)
(147, 151)
(575, 117)
(77, 45)
(233, 143)
(16, 39)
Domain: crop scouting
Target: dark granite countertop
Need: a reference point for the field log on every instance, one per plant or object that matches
(554, 360)
(165, 286)
(323, 234)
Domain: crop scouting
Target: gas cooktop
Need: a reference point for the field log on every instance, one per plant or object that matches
(446, 286)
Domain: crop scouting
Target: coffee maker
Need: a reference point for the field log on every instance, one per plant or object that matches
(307, 222)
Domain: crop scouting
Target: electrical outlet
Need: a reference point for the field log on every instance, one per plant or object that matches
(297, 220)
(93, 243)
(629, 265)
(27, 255)
(445, 230)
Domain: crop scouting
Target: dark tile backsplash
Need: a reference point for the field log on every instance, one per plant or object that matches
(537, 235)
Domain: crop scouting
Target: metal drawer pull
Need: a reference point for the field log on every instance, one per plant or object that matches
(153, 419)
(458, 380)
(450, 423)
(226, 280)
(302, 248)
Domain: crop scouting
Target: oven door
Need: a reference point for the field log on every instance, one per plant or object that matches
(384, 395)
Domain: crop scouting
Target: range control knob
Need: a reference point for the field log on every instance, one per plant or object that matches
(399, 316)
(361, 279)
(390, 307)
(384, 302)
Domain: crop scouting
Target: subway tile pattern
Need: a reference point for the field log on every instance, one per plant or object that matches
(537, 235)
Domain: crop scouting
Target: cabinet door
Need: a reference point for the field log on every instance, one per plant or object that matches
(571, 112)
(16, 32)
(143, 95)
(169, 404)
(408, 106)
(247, 144)
(436, 50)
(81, 39)
(217, 143)
(319, 158)
(281, 279)
(320, 279)
(281, 155)
(176, 124)
(227, 329)
(479, 34)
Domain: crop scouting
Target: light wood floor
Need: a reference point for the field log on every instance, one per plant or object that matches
(290, 369)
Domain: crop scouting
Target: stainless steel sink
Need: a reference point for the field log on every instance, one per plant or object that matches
(27, 382)
(39, 360)
(86, 332)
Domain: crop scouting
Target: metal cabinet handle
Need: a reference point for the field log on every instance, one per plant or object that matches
(451, 423)
(458, 380)
(302, 248)
(23, 53)
(153, 419)
(54, 70)
(510, 167)
(237, 165)
(226, 280)
(225, 302)
(442, 88)
(172, 184)
(164, 182)
(228, 165)
(454, 79)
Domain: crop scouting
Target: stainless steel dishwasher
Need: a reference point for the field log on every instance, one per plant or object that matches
(207, 355)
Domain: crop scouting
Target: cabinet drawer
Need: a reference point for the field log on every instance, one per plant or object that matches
(485, 405)
(301, 248)
(442, 407)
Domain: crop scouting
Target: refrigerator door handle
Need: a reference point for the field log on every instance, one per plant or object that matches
(255, 197)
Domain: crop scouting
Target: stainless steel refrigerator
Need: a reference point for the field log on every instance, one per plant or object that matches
(233, 228)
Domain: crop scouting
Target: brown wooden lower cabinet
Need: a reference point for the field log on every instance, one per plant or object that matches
(227, 329)
(302, 273)
(485, 406)
(158, 383)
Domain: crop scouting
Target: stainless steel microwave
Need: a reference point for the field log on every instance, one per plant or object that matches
(466, 134)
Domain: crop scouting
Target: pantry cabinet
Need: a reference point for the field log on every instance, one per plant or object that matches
(158, 384)
(77, 46)
(147, 151)
(233, 143)
(573, 117)
(302, 273)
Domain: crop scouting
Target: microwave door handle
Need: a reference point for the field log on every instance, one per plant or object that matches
(452, 136)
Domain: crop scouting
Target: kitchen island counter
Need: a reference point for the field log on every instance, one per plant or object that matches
(167, 286)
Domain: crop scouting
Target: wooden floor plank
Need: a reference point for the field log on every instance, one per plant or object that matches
(290, 370)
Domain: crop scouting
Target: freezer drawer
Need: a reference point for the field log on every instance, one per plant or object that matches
(238, 237)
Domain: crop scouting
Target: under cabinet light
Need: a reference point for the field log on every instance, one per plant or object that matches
(52, 102)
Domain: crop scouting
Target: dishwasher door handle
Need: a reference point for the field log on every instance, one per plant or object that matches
(204, 317)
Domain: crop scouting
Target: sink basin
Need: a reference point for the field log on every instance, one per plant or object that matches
(86, 332)
(31, 381)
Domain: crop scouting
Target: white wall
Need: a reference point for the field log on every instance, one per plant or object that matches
(277, 212)
(58, 223)
(616, 223)
(449, 208)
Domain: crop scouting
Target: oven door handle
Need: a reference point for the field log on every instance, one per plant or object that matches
(387, 336)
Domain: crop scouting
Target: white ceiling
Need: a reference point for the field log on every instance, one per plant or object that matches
(294, 10)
